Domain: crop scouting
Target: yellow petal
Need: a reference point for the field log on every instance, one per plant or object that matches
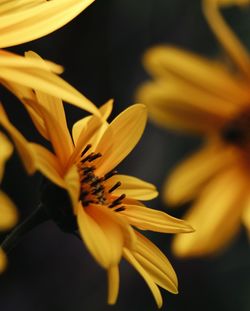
(49, 83)
(121, 137)
(226, 37)
(156, 264)
(146, 218)
(113, 284)
(151, 284)
(106, 109)
(35, 21)
(183, 106)
(5, 152)
(102, 236)
(48, 164)
(133, 187)
(189, 177)
(58, 134)
(20, 142)
(204, 74)
(3, 261)
(72, 180)
(216, 215)
(246, 215)
(8, 212)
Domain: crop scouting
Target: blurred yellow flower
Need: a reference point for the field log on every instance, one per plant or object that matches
(106, 204)
(208, 98)
(8, 213)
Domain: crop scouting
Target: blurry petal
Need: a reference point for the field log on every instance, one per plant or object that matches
(151, 284)
(32, 22)
(113, 284)
(146, 218)
(102, 236)
(3, 261)
(246, 215)
(225, 35)
(133, 187)
(121, 137)
(216, 215)
(156, 264)
(189, 177)
(72, 180)
(198, 71)
(5, 152)
(8, 212)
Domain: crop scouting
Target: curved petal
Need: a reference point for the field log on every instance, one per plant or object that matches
(113, 284)
(3, 261)
(182, 106)
(133, 187)
(102, 236)
(26, 23)
(20, 142)
(72, 180)
(5, 152)
(226, 37)
(47, 164)
(171, 62)
(146, 218)
(189, 177)
(216, 216)
(151, 284)
(121, 137)
(8, 212)
(156, 264)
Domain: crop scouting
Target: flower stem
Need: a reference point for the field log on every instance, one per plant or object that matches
(37, 217)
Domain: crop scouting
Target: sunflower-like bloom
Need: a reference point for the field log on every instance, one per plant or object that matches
(8, 212)
(211, 99)
(105, 204)
(26, 20)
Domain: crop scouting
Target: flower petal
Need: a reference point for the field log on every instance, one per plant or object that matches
(8, 212)
(121, 137)
(133, 187)
(3, 261)
(20, 142)
(189, 177)
(174, 63)
(6, 151)
(146, 218)
(102, 236)
(72, 180)
(216, 216)
(113, 284)
(47, 164)
(151, 284)
(225, 35)
(156, 264)
(35, 21)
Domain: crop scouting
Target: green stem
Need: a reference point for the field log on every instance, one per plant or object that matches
(37, 217)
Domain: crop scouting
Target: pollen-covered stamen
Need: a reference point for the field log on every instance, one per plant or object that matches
(93, 187)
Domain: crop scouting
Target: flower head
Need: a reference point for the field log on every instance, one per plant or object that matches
(105, 203)
(207, 98)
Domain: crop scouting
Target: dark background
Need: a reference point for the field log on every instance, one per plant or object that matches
(101, 51)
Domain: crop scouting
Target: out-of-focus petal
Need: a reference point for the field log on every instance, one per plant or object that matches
(113, 284)
(8, 212)
(3, 261)
(5, 152)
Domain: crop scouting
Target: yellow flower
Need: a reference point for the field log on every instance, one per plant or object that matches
(106, 204)
(26, 20)
(212, 99)
(8, 213)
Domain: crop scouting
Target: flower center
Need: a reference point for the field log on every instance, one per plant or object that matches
(94, 188)
(237, 132)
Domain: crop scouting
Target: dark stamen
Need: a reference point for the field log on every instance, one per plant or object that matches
(83, 194)
(110, 174)
(95, 156)
(118, 184)
(87, 169)
(87, 157)
(120, 209)
(87, 202)
(118, 200)
(86, 149)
